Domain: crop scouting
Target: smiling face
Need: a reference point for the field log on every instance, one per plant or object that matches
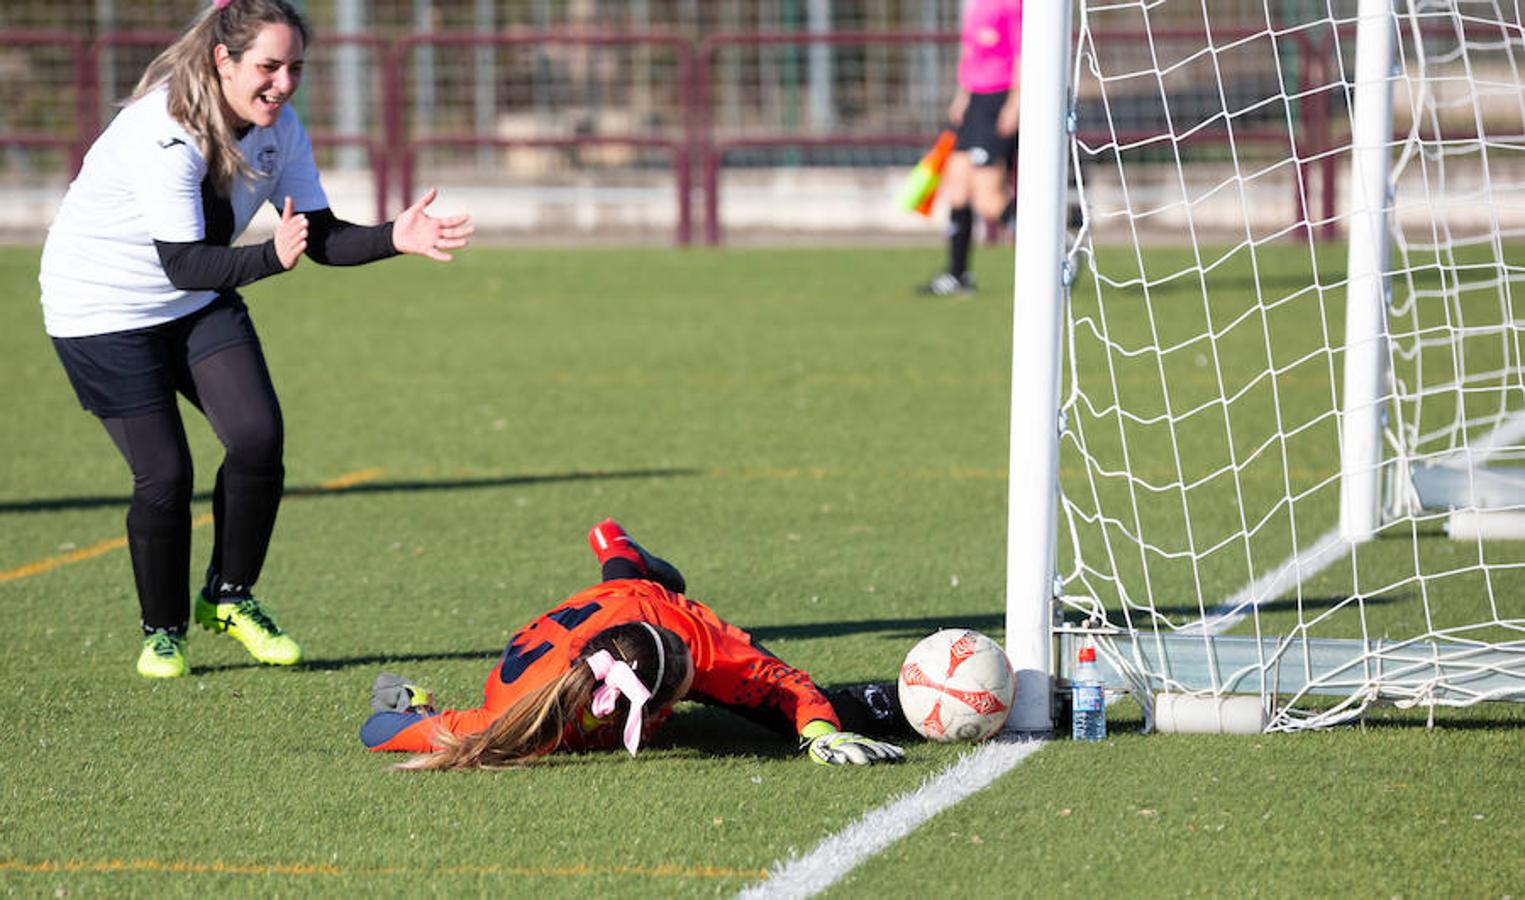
(258, 83)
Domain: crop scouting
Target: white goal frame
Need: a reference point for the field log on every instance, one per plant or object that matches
(1036, 645)
(1037, 334)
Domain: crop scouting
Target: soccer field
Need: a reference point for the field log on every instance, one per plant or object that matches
(824, 456)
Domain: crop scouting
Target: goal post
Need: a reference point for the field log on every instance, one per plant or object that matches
(1037, 334)
(1366, 281)
(1266, 397)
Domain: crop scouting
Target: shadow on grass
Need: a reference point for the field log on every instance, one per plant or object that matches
(373, 487)
(1468, 724)
(1185, 615)
(891, 628)
(715, 732)
(913, 628)
(916, 628)
(488, 658)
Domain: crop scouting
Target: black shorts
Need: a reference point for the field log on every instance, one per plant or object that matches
(127, 373)
(978, 136)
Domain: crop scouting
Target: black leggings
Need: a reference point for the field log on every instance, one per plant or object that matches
(232, 388)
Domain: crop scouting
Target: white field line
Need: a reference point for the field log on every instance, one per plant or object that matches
(808, 875)
(833, 858)
(1326, 551)
(1505, 437)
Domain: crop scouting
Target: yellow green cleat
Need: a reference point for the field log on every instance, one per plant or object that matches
(244, 619)
(163, 656)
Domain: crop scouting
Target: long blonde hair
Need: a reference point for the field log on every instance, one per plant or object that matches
(533, 727)
(189, 68)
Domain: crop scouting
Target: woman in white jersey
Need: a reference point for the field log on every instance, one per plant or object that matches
(140, 296)
(977, 180)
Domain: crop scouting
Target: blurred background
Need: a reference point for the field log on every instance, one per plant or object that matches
(687, 121)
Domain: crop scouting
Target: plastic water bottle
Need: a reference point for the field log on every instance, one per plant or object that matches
(1089, 702)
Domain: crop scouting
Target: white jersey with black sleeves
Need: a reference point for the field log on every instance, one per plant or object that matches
(142, 182)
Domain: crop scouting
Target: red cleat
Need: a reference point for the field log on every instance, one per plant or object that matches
(609, 541)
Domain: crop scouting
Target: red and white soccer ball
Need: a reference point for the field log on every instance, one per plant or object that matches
(957, 685)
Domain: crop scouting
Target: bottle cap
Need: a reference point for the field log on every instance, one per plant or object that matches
(1087, 654)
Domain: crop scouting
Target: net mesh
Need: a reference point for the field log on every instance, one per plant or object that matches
(1200, 451)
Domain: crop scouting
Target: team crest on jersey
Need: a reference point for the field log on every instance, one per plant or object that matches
(267, 159)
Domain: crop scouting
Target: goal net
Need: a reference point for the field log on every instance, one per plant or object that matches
(1291, 392)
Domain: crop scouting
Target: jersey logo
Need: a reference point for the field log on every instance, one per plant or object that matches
(267, 158)
(167, 143)
(573, 616)
(516, 659)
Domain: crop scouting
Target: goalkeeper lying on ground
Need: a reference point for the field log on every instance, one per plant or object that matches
(605, 667)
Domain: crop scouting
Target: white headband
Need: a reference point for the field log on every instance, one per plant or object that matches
(661, 657)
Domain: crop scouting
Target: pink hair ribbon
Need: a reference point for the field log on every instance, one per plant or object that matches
(619, 680)
(220, 4)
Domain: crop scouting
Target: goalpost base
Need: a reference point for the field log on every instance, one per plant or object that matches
(1451, 487)
(1453, 672)
(1486, 524)
(1486, 502)
(1191, 714)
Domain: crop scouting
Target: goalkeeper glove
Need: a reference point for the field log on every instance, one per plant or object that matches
(830, 747)
(394, 693)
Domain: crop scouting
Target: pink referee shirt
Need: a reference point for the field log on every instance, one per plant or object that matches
(992, 41)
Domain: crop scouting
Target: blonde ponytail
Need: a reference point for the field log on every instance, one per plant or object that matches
(530, 728)
(535, 724)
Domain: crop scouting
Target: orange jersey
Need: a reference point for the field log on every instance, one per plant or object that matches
(729, 669)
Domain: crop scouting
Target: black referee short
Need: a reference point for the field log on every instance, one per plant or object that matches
(978, 136)
(128, 373)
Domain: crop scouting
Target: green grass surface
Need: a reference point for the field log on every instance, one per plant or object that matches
(821, 453)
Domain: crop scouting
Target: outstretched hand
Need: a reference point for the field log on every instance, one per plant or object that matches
(830, 747)
(415, 231)
(290, 236)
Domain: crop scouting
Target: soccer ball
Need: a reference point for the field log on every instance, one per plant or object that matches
(956, 685)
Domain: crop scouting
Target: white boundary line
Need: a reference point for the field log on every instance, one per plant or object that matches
(1504, 437)
(808, 875)
(1326, 551)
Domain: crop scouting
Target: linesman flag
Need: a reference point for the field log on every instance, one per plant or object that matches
(921, 185)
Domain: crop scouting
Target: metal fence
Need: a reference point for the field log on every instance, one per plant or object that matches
(689, 129)
(544, 118)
